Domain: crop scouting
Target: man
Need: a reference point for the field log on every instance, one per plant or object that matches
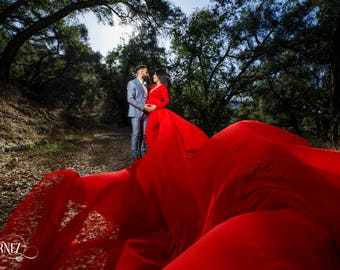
(137, 93)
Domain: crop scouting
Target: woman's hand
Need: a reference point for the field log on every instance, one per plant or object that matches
(150, 107)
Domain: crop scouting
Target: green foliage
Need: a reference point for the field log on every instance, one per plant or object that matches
(276, 61)
(23, 20)
(201, 70)
(142, 48)
(44, 48)
(51, 148)
(294, 72)
(271, 61)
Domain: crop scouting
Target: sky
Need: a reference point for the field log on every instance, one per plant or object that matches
(104, 38)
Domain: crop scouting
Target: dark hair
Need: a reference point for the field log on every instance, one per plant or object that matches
(139, 67)
(162, 76)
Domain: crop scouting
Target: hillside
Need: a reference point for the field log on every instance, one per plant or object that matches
(35, 140)
(24, 123)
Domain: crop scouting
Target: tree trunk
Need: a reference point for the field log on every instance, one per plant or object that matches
(18, 40)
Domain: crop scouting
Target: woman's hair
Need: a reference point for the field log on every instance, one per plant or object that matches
(162, 76)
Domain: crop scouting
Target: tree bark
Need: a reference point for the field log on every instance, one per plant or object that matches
(18, 40)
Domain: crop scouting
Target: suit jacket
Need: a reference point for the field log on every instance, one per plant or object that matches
(136, 98)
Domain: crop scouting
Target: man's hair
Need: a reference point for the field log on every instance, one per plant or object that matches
(139, 67)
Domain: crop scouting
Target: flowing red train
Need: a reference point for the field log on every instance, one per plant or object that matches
(251, 197)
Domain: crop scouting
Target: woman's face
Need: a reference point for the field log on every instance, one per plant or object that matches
(155, 78)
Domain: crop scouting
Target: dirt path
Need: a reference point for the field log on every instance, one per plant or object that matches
(85, 153)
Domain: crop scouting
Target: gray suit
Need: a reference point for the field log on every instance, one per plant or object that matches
(136, 98)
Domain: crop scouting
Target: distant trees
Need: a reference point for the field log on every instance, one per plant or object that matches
(43, 47)
(21, 20)
(142, 48)
(275, 61)
(213, 65)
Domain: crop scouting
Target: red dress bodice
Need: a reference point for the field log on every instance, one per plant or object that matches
(158, 95)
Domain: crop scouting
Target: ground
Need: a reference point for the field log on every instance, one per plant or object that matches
(27, 154)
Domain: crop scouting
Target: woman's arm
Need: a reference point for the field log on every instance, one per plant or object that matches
(165, 97)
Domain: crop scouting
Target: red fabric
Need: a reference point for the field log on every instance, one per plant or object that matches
(251, 197)
(158, 95)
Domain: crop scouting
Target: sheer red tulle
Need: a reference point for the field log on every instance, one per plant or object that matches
(251, 197)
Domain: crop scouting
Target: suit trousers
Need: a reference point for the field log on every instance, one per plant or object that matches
(138, 146)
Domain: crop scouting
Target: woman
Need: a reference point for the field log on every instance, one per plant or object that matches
(158, 98)
(251, 197)
(158, 92)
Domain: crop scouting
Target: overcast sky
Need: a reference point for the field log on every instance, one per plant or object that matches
(104, 38)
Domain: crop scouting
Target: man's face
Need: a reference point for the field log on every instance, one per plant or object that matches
(144, 73)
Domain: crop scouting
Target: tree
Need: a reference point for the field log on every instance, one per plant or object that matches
(212, 65)
(329, 31)
(24, 19)
(284, 43)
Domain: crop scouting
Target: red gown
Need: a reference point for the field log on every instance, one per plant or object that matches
(158, 95)
(251, 197)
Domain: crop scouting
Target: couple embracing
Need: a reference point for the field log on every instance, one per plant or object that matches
(143, 100)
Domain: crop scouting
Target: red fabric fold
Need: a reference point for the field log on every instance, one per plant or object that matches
(251, 197)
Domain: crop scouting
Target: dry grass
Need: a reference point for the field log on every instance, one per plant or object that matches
(34, 141)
